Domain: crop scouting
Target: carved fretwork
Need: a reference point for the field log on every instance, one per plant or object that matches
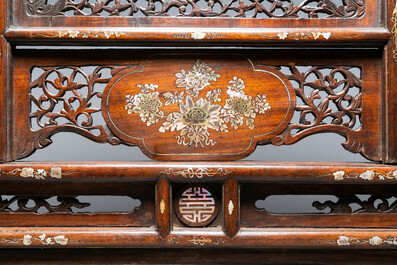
(330, 100)
(70, 107)
(209, 8)
(315, 112)
(343, 205)
(65, 204)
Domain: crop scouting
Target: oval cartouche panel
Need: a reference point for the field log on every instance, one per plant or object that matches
(198, 107)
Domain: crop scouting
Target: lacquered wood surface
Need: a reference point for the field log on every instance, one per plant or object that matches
(363, 40)
(187, 256)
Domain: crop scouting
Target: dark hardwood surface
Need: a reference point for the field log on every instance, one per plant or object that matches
(201, 212)
(184, 256)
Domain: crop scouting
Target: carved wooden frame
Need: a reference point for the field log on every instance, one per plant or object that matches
(371, 34)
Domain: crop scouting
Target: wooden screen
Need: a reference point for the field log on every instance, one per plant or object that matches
(198, 85)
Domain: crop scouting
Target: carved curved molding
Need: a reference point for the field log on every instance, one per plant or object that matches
(187, 8)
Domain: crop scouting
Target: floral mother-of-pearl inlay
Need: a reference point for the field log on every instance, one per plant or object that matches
(29, 172)
(374, 241)
(28, 239)
(304, 35)
(198, 115)
(365, 175)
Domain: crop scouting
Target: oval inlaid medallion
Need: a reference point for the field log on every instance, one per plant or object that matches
(198, 107)
(196, 205)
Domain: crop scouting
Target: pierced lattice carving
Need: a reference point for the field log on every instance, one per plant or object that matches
(344, 204)
(206, 8)
(329, 100)
(65, 101)
(337, 86)
(65, 204)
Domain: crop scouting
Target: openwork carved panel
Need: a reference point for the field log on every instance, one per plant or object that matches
(329, 99)
(62, 98)
(196, 105)
(66, 204)
(205, 8)
(196, 205)
(339, 204)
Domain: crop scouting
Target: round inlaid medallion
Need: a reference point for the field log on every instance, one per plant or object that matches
(196, 205)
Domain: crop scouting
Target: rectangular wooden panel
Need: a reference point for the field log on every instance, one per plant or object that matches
(71, 210)
(242, 108)
(345, 206)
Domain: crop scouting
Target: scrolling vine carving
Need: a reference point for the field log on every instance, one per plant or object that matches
(343, 205)
(65, 204)
(70, 107)
(209, 8)
(315, 113)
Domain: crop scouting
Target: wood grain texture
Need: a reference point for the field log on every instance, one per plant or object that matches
(183, 172)
(4, 101)
(346, 48)
(202, 36)
(205, 256)
(209, 238)
(390, 70)
(163, 207)
(231, 207)
(369, 19)
(166, 122)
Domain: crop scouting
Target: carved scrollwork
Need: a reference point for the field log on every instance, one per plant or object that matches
(211, 8)
(330, 100)
(343, 205)
(65, 103)
(315, 112)
(65, 204)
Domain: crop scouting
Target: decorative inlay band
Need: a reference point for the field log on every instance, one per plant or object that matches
(197, 240)
(196, 206)
(197, 173)
(374, 241)
(28, 172)
(304, 35)
(198, 35)
(366, 175)
(27, 240)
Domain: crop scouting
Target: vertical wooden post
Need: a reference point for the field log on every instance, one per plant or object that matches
(390, 95)
(231, 206)
(163, 207)
(4, 57)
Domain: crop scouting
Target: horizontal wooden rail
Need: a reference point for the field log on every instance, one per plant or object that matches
(242, 171)
(202, 35)
(49, 237)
